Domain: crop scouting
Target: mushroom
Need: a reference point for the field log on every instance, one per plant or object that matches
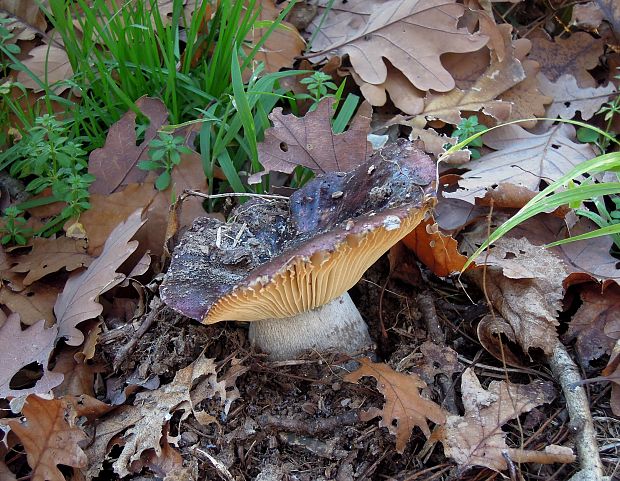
(287, 267)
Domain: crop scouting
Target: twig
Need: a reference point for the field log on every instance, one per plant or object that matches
(435, 333)
(566, 373)
(234, 194)
(124, 351)
(218, 465)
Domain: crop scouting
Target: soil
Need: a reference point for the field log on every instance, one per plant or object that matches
(298, 420)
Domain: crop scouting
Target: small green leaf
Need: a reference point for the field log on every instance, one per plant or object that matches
(587, 136)
(163, 181)
(149, 165)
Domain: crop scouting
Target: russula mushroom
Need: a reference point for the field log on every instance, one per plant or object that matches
(287, 267)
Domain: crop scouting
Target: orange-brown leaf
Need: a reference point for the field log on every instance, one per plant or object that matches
(404, 408)
(437, 251)
(48, 433)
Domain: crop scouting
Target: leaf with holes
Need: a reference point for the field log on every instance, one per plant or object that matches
(19, 348)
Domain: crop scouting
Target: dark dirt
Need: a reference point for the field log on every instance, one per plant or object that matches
(298, 420)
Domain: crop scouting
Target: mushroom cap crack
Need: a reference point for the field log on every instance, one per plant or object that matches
(273, 260)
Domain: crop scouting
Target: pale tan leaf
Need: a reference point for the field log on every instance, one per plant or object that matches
(404, 407)
(504, 72)
(587, 16)
(34, 303)
(523, 159)
(402, 92)
(310, 142)
(411, 34)
(78, 301)
(477, 438)
(51, 255)
(568, 97)
(50, 64)
(611, 12)
(19, 348)
(50, 437)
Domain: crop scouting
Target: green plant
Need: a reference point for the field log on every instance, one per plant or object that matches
(48, 158)
(609, 111)
(467, 129)
(319, 84)
(13, 227)
(569, 189)
(164, 153)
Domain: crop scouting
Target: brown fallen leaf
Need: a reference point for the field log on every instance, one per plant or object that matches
(611, 12)
(404, 408)
(522, 159)
(27, 19)
(78, 301)
(108, 211)
(527, 98)
(574, 55)
(281, 47)
(437, 251)
(586, 16)
(19, 348)
(503, 73)
(33, 303)
(477, 438)
(411, 34)
(49, 434)
(143, 423)
(595, 327)
(584, 260)
(402, 93)
(51, 255)
(524, 284)
(115, 164)
(50, 64)
(568, 97)
(310, 142)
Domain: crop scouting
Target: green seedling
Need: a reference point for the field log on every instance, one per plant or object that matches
(466, 129)
(320, 86)
(13, 227)
(164, 154)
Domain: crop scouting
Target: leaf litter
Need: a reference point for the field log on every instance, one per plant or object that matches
(186, 401)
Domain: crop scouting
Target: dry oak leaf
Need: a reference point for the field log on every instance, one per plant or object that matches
(143, 423)
(611, 12)
(574, 55)
(584, 260)
(596, 324)
(50, 437)
(524, 284)
(586, 16)
(282, 45)
(33, 303)
(568, 97)
(108, 211)
(115, 164)
(27, 18)
(51, 255)
(502, 74)
(527, 98)
(411, 34)
(522, 159)
(404, 407)
(19, 348)
(437, 251)
(78, 301)
(477, 438)
(310, 142)
(50, 64)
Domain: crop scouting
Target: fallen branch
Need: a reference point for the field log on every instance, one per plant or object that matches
(305, 426)
(566, 373)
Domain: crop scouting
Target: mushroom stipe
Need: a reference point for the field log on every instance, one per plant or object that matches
(286, 267)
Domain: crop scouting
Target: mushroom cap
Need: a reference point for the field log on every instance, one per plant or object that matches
(275, 262)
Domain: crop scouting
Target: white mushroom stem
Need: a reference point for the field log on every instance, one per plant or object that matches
(336, 326)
